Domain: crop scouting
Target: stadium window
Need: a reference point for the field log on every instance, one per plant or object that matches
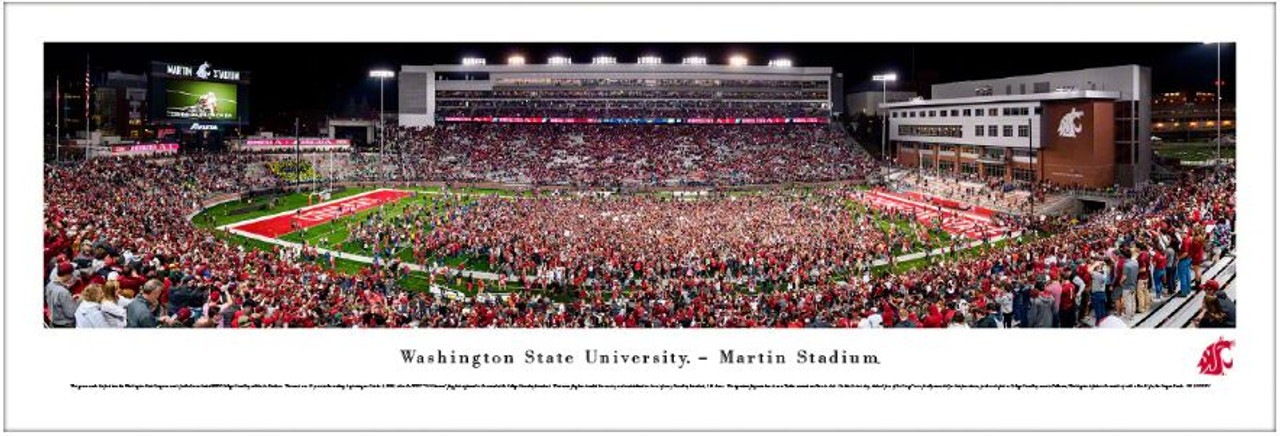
(994, 170)
(991, 113)
(1024, 131)
(933, 113)
(955, 112)
(968, 168)
(1007, 130)
(993, 153)
(992, 131)
(943, 114)
(1040, 87)
(968, 112)
(977, 130)
(946, 166)
(1038, 109)
(1022, 88)
(1023, 174)
(1008, 89)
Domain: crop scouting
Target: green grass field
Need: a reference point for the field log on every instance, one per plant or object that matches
(220, 217)
(967, 253)
(334, 235)
(1193, 151)
(934, 238)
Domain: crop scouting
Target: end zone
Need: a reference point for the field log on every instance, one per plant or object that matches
(289, 221)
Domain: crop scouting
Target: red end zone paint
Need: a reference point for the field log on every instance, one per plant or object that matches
(956, 222)
(315, 215)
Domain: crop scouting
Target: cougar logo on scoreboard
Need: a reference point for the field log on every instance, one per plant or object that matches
(203, 71)
(1070, 124)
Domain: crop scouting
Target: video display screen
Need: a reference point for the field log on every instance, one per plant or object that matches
(196, 100)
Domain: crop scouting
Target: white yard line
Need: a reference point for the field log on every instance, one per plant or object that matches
(360, 258)
(230, 228)
(934, 207)
(492, 276)
(290, 211)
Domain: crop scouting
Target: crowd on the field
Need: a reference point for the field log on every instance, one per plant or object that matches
(990, 193)
(119, 251)
(623, 241)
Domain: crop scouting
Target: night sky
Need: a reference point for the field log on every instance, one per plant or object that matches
(331, 79)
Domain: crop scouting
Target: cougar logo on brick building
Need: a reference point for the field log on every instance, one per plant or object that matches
(1211, 362)
(1070, 124)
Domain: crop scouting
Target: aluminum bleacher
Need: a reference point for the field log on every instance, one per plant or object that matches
(1178, 312)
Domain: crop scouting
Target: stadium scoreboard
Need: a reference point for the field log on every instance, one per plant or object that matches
(199, 95)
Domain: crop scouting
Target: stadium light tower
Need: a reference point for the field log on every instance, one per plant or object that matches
(738, 61)
(781, 63)
(515, 60)
(649, 60)
(559, 60)
(604, 60)
(884, 80)
(382, 76)
(472, 61)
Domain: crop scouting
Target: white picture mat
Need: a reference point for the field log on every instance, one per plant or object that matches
(40, 363)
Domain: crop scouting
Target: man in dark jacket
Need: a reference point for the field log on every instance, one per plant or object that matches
(141, 313)
(988, 321)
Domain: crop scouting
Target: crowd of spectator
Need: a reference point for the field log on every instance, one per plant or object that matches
(616, 155)
(119, 250)
(623, 241)
(989, 193)
(632, 108)
(525, 94)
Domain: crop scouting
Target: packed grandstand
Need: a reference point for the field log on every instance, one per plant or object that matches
(579, 225)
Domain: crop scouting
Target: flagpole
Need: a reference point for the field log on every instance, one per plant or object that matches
(88, 138)
(57, 118)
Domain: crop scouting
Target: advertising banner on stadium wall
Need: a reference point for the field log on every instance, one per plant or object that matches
(537, 120)
(144, 148)
(291, 142)
(132, 150)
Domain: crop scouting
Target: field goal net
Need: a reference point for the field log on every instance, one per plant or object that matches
(319, 196)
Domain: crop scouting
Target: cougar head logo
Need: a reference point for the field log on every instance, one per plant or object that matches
(1211, 362)
(1070, 124)
(203, 71)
